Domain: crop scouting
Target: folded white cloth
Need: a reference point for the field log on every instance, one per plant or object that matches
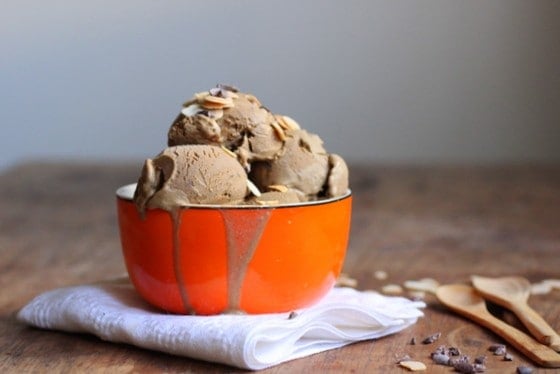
(114, 312)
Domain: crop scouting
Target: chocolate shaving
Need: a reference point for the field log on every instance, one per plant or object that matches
(480, 360)
(464, 367)
(432, 338)
(227, 87)
(441, 359)
(454, 351)
(497, 347)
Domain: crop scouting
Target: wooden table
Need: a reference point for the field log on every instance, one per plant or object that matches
(58, 228)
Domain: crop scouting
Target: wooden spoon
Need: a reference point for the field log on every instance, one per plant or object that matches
(512, 293)
(464, 300)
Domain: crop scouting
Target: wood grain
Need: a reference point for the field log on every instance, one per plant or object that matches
(58, 228)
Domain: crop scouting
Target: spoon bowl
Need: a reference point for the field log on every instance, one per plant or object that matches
(514, 288)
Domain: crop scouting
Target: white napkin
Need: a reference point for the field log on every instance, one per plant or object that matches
(114, 312)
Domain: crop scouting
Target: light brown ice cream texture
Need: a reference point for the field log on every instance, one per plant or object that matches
(226, 148)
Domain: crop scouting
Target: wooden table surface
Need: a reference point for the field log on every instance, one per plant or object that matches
(58, 228)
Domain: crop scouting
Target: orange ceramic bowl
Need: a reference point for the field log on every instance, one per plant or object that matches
(210, 259)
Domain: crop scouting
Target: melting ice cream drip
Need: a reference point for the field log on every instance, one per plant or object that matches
(177, 269)
(244, 230)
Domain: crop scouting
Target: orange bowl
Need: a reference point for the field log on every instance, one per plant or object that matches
(210, 259)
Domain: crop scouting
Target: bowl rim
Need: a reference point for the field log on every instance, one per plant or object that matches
(126, 192)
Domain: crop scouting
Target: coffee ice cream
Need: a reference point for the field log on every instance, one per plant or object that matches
(190, 174)
(301, 167)
(226, 148)
(230, 118)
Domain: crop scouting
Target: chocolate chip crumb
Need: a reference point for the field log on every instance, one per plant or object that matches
(500, 351)
(497, 347)
(217, 91)
(463, 358)
(464, 367)
(441, 349)
(292, 315)
(454, 351)
(440, 358)
(413, 341)
(227, 87)
(479, 368)
(432, 338)
(480, 360)
(524, 370)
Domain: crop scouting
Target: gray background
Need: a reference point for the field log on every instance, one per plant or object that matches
(389, 81)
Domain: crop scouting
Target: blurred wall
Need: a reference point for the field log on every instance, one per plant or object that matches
(390, 81)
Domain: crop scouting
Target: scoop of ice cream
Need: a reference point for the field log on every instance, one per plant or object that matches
(190, 174)
(303, 165)
(225, 116)
(245, 116)
(337, 181)
(273, 149)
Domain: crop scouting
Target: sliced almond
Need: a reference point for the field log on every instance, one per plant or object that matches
(199, 96)
(229, 152)
(281, 122)
(424, 284)
(215, 102)
(278, 131)
(268, 202)
(290, 123)
(545, 286)
(413, 365)
(392, 289)
(216, 113)
(380, 274)
(344, 280)
(541, 288)
(277, 187)
(554, 283)
(191, 110)
(253, 99)
(254, 190)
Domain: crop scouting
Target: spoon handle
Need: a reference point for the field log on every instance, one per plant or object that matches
(539, 353)
(537, 326)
